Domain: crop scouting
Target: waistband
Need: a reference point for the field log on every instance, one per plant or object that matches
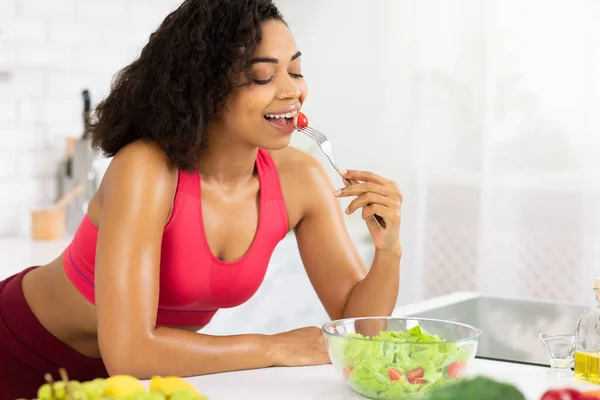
(29, 341)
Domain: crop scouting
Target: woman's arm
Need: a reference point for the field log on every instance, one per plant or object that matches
(138, 189)
(331, 260)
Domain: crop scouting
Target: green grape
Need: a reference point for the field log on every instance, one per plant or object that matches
(74, 385)
(181, 394)
(155, 395)
(60, 392)
(45, 392)
(139, 396)
(100, 384)
(78, 394)
(94, 389)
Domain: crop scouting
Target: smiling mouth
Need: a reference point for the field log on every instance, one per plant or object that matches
(282, 119)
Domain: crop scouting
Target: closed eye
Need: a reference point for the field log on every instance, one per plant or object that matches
(265, 81)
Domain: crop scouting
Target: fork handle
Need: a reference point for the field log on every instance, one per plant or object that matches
(378, 218)
(348, 182)
(380, 221)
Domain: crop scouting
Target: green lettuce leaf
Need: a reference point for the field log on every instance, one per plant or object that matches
(370, 359)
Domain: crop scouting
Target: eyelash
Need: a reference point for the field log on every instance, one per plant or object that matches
(265, 81)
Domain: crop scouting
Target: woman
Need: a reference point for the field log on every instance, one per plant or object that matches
(201, 189)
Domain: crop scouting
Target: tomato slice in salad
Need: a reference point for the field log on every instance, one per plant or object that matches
(347, 371)
(395, 375)
(413, 375)
(455, 369)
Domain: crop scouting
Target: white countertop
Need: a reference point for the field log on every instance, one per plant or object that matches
(322, 382)
(300, 383)
(18, 253)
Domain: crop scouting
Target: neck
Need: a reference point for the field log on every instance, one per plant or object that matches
(226, 162)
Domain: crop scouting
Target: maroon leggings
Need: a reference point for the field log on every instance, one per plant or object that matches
(28, 350)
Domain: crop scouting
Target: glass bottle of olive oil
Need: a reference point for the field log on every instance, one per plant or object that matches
(587, 336)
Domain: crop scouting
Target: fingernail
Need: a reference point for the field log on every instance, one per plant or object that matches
(343, 172)
(347, 211)
(337, 192)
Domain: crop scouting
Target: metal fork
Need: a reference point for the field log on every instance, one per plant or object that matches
(325, 146)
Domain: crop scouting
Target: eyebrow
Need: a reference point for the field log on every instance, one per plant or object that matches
(271, 59)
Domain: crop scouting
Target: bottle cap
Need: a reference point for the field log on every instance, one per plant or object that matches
(597, 283)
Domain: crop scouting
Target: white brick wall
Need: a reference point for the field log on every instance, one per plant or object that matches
(52, 50)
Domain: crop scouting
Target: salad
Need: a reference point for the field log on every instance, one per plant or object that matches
(397, 363)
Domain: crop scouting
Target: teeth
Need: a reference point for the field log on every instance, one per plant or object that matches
(288, 115)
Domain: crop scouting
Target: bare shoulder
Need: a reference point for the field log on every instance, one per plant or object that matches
(304, 182)
(140, 160)
(298, 166)
(143, 154)
(140, 170)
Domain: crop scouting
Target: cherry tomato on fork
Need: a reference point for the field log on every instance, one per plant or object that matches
(302, 120)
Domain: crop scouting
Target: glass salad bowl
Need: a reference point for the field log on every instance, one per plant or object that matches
(399, 358)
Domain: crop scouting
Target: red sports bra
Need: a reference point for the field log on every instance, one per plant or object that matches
(194, 284)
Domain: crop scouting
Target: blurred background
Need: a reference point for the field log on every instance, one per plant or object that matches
(486, 112)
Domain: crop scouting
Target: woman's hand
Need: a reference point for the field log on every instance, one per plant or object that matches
(300, 347)
(376, 196)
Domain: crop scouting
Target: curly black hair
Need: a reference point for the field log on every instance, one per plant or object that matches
(182, 78)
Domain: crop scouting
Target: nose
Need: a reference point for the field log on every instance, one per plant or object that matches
(288, 89)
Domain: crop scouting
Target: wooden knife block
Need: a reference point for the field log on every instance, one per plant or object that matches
(47, 224)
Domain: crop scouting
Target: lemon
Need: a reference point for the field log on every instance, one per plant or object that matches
(122, 386)
(169, 384)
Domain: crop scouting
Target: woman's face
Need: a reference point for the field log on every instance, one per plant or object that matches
(264, 113)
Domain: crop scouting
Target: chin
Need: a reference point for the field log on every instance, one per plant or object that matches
(278, 143)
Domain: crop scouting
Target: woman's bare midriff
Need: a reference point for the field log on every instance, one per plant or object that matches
(62, 310)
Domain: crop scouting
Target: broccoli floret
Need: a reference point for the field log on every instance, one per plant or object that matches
(479, 388)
